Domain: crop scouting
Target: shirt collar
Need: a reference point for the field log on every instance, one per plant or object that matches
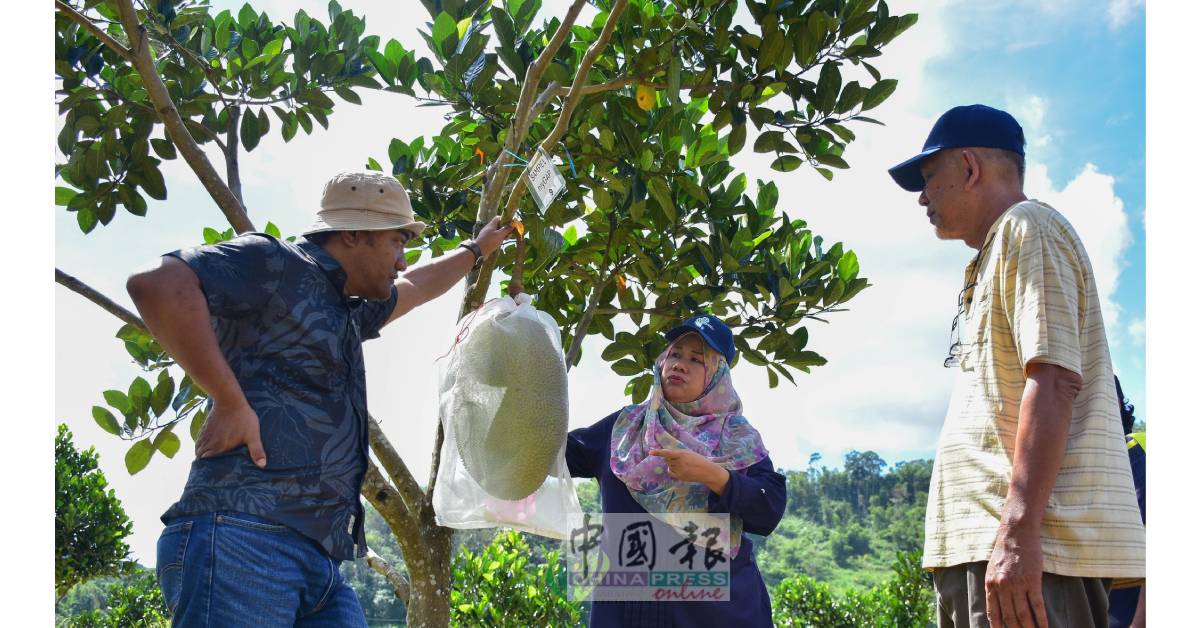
(328, 263)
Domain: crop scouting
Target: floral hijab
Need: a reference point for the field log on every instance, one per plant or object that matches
(712, 426)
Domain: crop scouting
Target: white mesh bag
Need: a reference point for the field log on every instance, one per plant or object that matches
(502, 400)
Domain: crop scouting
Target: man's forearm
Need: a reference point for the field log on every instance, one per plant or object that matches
(1043, 426)
(431, 280)
(171, 302)
(435, 277)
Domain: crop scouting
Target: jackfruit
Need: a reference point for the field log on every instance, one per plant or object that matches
(509, 447)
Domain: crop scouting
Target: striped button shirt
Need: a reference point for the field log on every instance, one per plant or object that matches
(1034, 299)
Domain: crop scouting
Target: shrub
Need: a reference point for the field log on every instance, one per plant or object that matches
(131, 602)
(904, 601)
(499, 587)
(90, 524)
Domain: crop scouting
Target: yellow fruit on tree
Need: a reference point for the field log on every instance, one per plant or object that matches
(646, 97)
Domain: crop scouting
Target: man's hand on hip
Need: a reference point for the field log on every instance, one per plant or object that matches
(229, 426)
(1014, 580)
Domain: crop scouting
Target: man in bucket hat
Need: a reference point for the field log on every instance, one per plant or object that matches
(1031, 501)
(273, 331)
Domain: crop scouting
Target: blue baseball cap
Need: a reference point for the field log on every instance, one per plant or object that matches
(715, 332)
(966, 125)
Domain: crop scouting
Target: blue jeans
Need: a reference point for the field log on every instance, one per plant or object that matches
(234, 569)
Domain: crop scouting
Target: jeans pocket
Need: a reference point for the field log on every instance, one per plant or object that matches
(172, 546)
(245, 522)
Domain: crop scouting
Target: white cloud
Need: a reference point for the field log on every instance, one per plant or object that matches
(1030, 111)
(1090, 202)
(1120, 12)
(1137, 331)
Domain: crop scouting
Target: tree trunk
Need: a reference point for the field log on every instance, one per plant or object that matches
(430, 577)
(233, 174)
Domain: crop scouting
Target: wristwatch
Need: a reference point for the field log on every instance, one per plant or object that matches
(471, 246)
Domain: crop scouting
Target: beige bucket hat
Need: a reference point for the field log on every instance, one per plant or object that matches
(368, 201)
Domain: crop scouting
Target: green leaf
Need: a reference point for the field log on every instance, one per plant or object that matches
(737, 138)
(118, 400)
(829, 85)
(273, 231)
(768, 141)
(164, 148)
(138, 456)
(443, 26)
(62, 196)
(626, 367)
(347, 94)
(167, 442)
(786, 163)
(86, 219)
(847, 268)
(153, 184)
(163, 392)
(662, 193)
(273, 48)
(106, 420)
(197, 423)
(829, 159)
(249, 130)
(878, 93)
(139, 394)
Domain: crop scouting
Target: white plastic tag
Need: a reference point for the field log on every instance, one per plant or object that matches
(544, 179)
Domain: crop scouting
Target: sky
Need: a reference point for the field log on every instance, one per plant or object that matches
(1073, 76)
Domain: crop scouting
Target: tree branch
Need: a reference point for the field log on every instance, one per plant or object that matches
(497, 174)
(568, 108)
(232, 171)
(581, 76)
(94, 29)
(402, 478)
(524, 116)
(173, 122)
(399, 583)
(584, 322)
(93, 295)
(386, 500)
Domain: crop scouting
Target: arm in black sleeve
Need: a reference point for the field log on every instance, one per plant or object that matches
(588, 447)
(757, 494)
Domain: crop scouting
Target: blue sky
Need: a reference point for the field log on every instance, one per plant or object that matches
(1070, 73)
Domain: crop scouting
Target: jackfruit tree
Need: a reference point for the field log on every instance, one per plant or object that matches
(641, 105)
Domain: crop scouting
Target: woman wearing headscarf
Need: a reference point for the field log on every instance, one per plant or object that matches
(687, 448)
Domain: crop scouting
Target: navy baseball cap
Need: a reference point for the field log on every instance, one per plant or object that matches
(716, 333)
(967, 125)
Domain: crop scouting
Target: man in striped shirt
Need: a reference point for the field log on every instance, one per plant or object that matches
(1031, 502)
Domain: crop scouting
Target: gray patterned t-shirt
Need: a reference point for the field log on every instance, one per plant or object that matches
(294, 343)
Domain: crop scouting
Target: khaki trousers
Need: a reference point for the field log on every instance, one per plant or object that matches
(1071, 602)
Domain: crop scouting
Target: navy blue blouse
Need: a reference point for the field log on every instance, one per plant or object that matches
(757, 494)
